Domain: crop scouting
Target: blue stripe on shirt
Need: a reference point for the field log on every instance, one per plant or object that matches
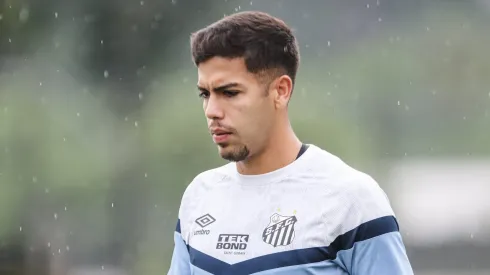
(177, 228)
(346, 241)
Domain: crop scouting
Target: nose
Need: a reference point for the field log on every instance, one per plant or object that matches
(212, 108)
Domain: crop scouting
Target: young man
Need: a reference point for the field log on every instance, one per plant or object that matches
(279, 206)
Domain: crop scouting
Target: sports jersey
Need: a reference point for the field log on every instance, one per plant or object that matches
(316, 215)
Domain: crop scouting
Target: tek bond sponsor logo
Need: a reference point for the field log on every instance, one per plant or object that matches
(235, 244)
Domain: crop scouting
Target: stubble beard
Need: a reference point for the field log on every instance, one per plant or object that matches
(234, 153)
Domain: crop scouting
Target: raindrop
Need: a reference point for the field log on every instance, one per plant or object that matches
(377, 3)
(464, 118)
(379, 19)
(471, 236)
(55, 15)
(20, 228)
(136, 123)
(428, 29)
(46, 190)
(49, 244)
(174, 2)
(55, 216)
(102, 267)
(140, 96)
(34, 179)
(328, 43)
(78, 114)
(10, 40)
(23, 15)
(142, 3)
(64, 138)
(59, 251)
(307, 45)
(250, 3)
(146, 175)
(66, 208)
(1, 16)
(112, 205)
(67, 248)
(40, 83)
(367, 6)
(101, 42)
(407, 108)
(398, 102)
(106, 74)
(126, 119)
(156, 206)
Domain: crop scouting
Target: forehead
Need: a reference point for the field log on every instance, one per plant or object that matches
(218, 71)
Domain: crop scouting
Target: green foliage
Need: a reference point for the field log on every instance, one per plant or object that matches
(423, 91)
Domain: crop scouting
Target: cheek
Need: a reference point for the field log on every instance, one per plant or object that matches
(256, 121)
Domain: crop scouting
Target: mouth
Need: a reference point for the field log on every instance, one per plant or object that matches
(221, 137)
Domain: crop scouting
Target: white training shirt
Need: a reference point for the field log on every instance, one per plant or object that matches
(315, 216)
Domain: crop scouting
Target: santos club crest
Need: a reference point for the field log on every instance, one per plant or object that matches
(280, 231)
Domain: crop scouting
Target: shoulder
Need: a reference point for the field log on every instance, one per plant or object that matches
(213, 176)
(361, 197)
(201, 183)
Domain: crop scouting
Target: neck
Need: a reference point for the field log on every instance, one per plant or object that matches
(281, 150)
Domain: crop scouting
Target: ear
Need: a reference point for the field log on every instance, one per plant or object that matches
(283, 87)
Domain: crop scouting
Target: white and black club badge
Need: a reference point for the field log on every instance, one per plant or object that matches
(280, 231)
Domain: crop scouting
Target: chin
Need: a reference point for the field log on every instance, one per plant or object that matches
(234, 153)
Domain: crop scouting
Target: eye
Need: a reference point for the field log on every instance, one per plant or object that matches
(228, 93)
(203, 94)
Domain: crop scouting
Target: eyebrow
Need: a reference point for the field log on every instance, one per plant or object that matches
(222, 87)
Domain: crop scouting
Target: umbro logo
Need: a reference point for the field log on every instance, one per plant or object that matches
(205, 220)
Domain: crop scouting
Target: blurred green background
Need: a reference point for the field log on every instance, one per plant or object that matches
(101, 128)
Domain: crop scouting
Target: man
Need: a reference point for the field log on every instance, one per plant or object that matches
(279, 206)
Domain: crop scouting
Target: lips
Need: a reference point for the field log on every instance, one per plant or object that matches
(220, 138)
(220, 135)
